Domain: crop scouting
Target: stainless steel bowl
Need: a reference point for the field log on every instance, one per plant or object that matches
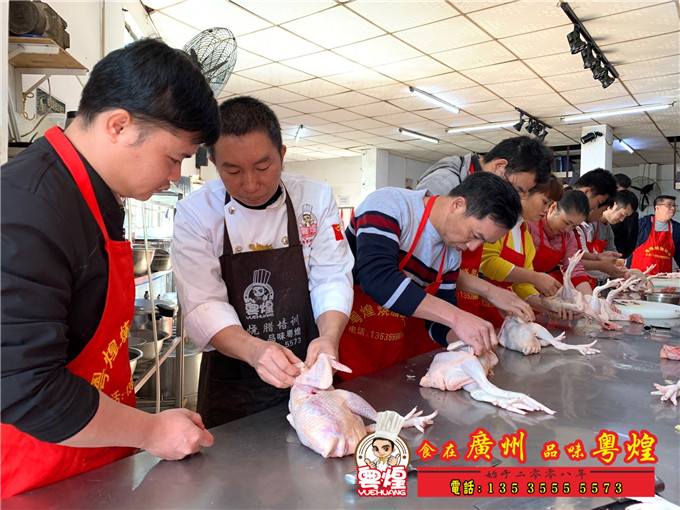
(135, 355)
(663, 297)
(142, 339)
(161, 260)
(141, 259)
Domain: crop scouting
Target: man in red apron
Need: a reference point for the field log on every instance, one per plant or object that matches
(522, 160)
(263, 270)
(407, 247)
(602, 258)
(67, 282)
(599, 186)
(658, 238)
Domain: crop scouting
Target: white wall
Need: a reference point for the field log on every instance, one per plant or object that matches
(402, 170)
(342, 174)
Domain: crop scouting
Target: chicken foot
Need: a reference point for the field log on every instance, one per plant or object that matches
(669, 392)
(484, 391)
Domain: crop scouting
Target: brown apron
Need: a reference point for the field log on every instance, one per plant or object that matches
(269, 291)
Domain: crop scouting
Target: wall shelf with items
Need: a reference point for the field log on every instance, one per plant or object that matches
(41, 56)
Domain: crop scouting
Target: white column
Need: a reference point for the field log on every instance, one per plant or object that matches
(598, 152)
(374, 171)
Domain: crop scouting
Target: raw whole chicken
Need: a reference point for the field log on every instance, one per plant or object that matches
(610, 309)
(328, 420)
(669, 392)
(644, 285)
(603, 311)
(457, 369)
(670, 352)
(567, 298)
(529, 337)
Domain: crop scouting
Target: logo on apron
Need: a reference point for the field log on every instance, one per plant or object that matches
(308, 224)
(259, 296)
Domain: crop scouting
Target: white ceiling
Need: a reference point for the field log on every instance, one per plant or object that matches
(342, 69)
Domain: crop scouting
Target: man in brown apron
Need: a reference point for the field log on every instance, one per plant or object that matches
(263, 269)
(68, 400)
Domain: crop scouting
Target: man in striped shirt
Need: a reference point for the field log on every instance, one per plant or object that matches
(407, 246)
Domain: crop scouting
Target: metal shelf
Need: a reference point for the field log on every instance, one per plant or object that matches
(153, 368)
(144, 279)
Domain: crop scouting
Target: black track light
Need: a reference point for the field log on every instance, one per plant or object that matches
(599, 71)
(533, 126)
(576, 44)
(518, 126)
(588, 57)
(593, 58)
(607, 80)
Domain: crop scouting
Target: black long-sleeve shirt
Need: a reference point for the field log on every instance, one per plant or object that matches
(54, 282)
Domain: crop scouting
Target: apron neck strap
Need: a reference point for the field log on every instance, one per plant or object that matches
(421, 227)
(75, 166)
(293, 237)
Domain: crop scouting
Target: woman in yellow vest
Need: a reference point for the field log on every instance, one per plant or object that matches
(508, 262)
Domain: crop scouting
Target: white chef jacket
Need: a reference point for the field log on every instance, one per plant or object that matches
(198, 243)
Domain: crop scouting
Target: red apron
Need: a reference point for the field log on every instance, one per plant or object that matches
(594, 246)
(658, 249)
(597, 245)
(548, 260)
(376, 337)
(104, 362)
(486, 310)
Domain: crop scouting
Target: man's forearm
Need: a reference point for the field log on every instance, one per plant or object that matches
(235, 342)
(474, 285)
(332, 323)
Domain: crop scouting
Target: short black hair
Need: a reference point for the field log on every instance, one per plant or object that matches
(382, 439)
(524, 154)
(574, 202)
(158, 85)
(661, 198)
(623, 180)
(625, 198)
(244, 114)
(600, 182)
(487, 195)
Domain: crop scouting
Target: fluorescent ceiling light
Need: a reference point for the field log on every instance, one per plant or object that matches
(482, 127)
(620, 111)
(626, 146)
(299, 133)
(434, 99)
(419, 135)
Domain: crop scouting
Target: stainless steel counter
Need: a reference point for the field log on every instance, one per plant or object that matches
(258, 462)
